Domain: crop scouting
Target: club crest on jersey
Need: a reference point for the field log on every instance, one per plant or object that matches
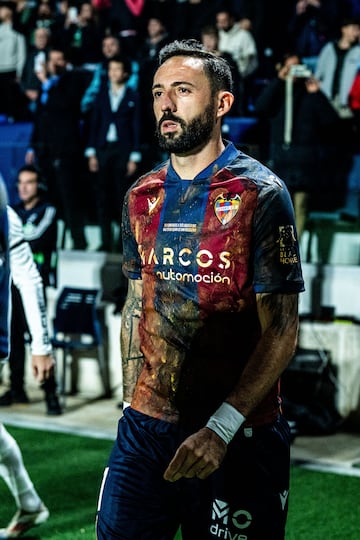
(226, 207)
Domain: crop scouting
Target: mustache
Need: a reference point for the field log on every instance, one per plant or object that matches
(169, 116)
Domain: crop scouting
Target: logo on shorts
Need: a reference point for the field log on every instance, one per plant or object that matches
(226, 523)
(226, 207)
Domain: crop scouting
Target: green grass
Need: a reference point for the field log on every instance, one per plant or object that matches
(67, 471)
(323, 506)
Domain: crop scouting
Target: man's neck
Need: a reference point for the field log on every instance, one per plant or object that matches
(154, 40)
(190, 165)
(30, 204)
(115, 87)
(344, 44)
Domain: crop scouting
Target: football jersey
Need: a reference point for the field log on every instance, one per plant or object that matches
(203, 249)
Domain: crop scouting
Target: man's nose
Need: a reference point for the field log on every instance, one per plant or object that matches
(167, 103)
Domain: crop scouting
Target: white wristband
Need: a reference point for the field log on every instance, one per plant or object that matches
(226, 421)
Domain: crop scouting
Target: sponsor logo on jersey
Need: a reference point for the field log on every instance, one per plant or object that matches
(152, 202)
(185, 257)
(169, 264)
(228, 524)
(226, 207)
(287, 245)
(180, 227)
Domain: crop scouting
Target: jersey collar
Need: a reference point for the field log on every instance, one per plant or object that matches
(228, 154)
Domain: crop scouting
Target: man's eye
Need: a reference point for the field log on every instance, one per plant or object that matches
(183, 90)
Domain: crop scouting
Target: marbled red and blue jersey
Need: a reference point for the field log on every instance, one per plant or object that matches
(203, 249)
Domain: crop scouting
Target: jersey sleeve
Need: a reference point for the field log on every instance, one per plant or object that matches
(27, 279)
(277, 266)
(131, 258)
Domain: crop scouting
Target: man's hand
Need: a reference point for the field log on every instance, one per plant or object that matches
(41, 73)
(199, 455)
(42, 366)
(312, 85)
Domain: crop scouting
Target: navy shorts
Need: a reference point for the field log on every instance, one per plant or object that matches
(245, 499)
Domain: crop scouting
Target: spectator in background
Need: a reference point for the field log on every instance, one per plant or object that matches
(44, 16)
(81, 36)
(12, 61)
(238, 42)
(111, 47)
(268, 22)
(159, 8)
(56, 144)
(312, 24)
(38, 219)
(114, 147)
(241, 45)
(157, 36)
(210, 40)
(338, 63)
(35, 61)
(336, 69)
(125, 21)
(190, 16)
(24, 18)
(297, 160)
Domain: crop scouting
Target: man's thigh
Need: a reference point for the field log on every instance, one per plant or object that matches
(246, 499)
(135, 502)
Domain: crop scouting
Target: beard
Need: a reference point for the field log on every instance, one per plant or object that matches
(195, 133)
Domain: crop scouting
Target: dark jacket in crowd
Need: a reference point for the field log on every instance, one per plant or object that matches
(56, 123)
(126, 119)
(313, 121)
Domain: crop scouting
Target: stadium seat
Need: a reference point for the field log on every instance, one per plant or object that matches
(77, 330)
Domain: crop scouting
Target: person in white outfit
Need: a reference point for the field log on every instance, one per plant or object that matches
(338, 63)
(238, 42)
(17, 260)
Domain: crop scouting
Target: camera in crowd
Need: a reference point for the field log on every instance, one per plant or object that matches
(300, 71)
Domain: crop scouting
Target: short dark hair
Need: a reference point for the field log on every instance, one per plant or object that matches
(209, 30)
(109, 35)
(39, 177)
(63, 50)
(29, 168)
(216, 68)
(121, 59)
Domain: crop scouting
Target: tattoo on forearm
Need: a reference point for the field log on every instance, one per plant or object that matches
(131, 349)
(282, 309)
(132, 358)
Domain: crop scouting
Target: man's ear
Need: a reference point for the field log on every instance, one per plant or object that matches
(225, 102)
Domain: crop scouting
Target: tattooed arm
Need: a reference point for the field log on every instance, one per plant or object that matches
(132, 358)
(202, 453)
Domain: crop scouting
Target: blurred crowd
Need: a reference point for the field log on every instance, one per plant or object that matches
(81, 73)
